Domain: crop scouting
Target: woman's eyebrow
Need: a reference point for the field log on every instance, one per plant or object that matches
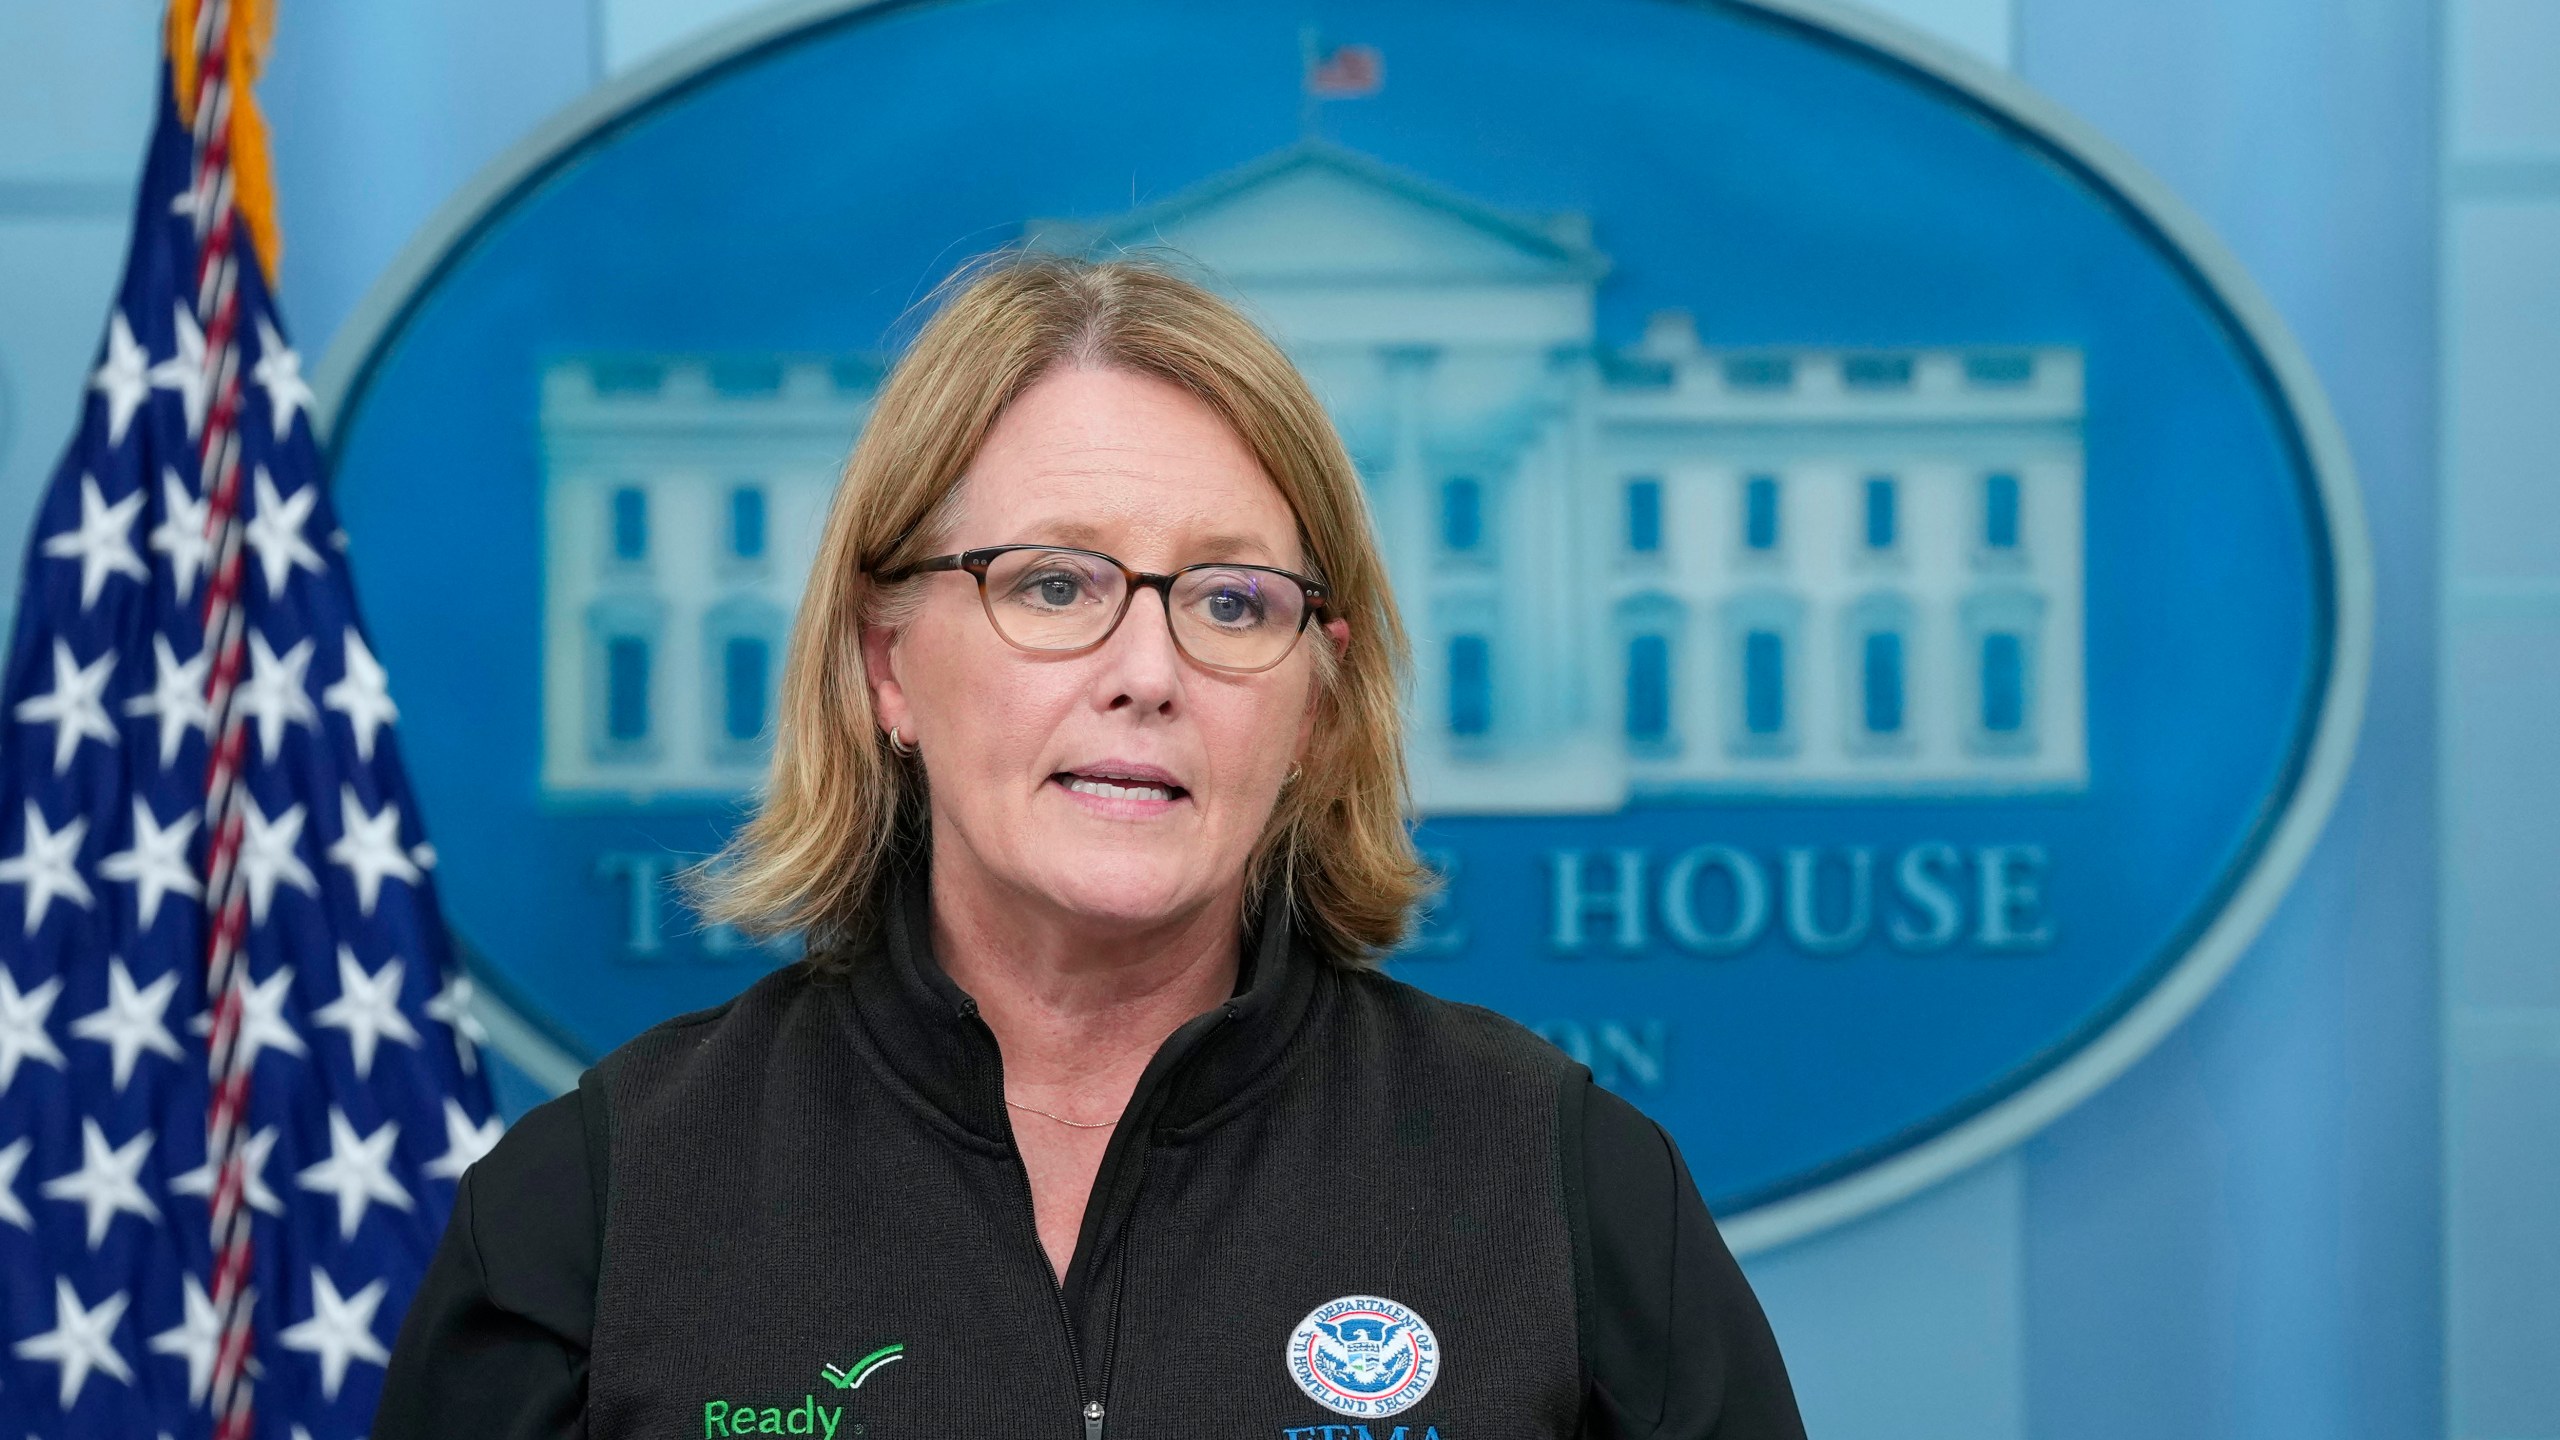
(1227, 547)
(1083, 535)
(1068, 532)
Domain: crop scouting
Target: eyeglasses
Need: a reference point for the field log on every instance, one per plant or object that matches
(1060, 601)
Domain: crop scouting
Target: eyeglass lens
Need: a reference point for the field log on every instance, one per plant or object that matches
(1235, 616)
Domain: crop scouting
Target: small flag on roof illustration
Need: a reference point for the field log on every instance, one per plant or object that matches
(1345, 72)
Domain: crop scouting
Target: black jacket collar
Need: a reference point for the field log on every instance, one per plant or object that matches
(925, 1029)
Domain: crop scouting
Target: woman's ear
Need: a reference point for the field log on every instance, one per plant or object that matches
(880, 672)
(1337, 633)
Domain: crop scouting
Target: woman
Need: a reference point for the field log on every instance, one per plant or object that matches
(1089, 1111)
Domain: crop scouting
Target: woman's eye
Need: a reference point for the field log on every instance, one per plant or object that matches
(1232, 607)
(1057, 589)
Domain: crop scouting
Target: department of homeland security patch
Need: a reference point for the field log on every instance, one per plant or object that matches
(1364, 1355)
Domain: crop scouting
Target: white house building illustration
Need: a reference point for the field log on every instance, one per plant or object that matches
(1647, 570)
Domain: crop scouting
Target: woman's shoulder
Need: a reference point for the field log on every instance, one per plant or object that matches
(539, 1209)
(718, 1051)
(743, 1026)
(1421, 1025)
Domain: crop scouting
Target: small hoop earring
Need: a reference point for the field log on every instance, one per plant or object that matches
(1292, 777)
(899, 744)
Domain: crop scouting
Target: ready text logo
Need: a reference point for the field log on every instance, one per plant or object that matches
(744, 1417)
(741, 1417)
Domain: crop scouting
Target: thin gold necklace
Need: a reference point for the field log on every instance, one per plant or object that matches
(1063, 1120)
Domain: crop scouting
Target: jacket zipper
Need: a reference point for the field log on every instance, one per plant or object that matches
(1089, 1407)
(1111, 1337)
(1120, 1270)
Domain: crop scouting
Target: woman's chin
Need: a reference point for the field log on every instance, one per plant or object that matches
(1132, 891)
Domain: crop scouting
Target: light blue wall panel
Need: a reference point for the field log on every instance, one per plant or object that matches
(2503, 1255)
(2142, 1342)
(1907, 1325)
(2502, 830)
(75, 89)
(2502, 55)
(2500, 694)
(2502, 374)
(383, 109)
(2501, 688)
(2240, 1239)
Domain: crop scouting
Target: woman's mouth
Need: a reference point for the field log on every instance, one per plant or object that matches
(1118, 784)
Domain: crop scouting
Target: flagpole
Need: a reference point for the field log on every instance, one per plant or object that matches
(221, 36)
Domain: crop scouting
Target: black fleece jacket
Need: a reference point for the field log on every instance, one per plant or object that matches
(1336, 1208)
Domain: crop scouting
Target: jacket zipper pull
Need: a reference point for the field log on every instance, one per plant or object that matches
(1093, 1420)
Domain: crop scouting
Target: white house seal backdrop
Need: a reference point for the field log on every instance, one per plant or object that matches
(1890, 607)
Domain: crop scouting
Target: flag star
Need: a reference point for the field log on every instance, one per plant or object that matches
(276, 695)
(452, 1005)
(262, 1022)
(47, 866)
(253, 1177)
(177, 697)
(268, 858)
(275, 532)
(367, 1008)
(361, 695)
(80, 1341)
(72, 706)
(157, 864)
(22, 1022)
(14, 1155)
(340, 1329)
(370, 847)
(358, 1171)
(464, 1142)
(185, 371)
(279, 368)
(123, 377)
(132, 1019)
(102, 542)
(180, 535)
(108, 1182)
(423, 855)
(195, 1340)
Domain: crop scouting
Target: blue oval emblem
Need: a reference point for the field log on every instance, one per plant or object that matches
(1891, 608)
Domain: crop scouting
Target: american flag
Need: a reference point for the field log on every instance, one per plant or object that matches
(211, 1214)
(1346, 72)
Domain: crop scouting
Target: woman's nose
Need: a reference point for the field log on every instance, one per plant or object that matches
(1142, 664)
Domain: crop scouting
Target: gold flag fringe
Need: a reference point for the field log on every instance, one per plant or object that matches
(249, 32)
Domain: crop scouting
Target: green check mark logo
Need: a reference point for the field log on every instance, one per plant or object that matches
(852, 1376)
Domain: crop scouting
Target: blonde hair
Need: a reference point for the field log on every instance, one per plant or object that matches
(840, 809)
